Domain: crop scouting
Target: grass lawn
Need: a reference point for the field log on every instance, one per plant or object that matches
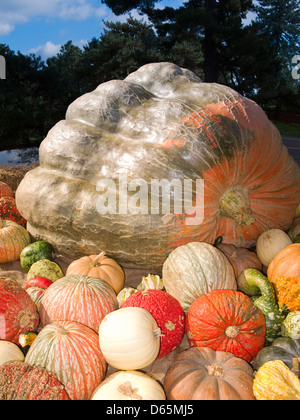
(288, 129)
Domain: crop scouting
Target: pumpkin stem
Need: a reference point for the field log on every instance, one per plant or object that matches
(296, 361)
(157, 333)
(99, 258)
(235, 204)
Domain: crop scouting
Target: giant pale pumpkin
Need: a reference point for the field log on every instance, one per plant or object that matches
(97, 186)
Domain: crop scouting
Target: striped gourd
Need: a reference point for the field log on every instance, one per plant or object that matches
(13, 238)
(78, 298)
(71, 351)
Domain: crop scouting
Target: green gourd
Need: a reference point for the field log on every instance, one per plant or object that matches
(291, 325)
(252, 282)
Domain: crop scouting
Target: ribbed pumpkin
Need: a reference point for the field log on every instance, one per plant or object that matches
(21, 381)
(5, 190)
(78, 298)
(17, 311)
(202, 373)
(275, 381)
(71, 351)
(168, 314)
(226, 320)
(240, 258)
(161, 123)
(100, 267)
(13, 238)
(9, 211)
(195, 269)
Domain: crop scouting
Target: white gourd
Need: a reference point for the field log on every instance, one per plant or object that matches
(269, 243)
(10, 352)
(129, 338)
(129, 385)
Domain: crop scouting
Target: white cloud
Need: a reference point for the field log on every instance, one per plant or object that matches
(47, 50)
(13, 12)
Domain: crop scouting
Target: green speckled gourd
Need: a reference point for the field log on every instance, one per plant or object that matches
(253, 282)
(291, 325)
(161, 122)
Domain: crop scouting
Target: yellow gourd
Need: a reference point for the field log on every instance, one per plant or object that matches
(275, 381)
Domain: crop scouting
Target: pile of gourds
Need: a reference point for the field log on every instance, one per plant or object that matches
(238, 309)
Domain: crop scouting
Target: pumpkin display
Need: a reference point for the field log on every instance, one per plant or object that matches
(129, 338)
(226, 320)
(201, 373)
(78, 298)
(168, 314)
(9, 211)
(129, 385)
(21, 381)
(159, 122)
(34, 252)
(284, 272)
(13, 238)
(291, 325)
(17, 311)
(253, 283)
(45, 268)
(73, 355)
(5, 190)
(10, 352)
(100, 267)
(269, 243)
(275, 381)
(283, 348)
(195, 269)
(240, 258)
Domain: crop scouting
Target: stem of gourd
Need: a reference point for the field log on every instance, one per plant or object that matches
(235, 204)
(157, 333)
(296, 361)
(99, 258)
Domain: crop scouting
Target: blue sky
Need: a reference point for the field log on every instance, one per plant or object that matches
(42, 26)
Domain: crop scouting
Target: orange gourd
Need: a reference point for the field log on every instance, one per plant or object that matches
(13, 238)
(5, 190)
(99, 267)
(284, 273)
(201, 373)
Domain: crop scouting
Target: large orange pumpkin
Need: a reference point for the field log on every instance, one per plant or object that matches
(71, 351)
(13, 238)
(202, 373)
(226, 320)
(101, 267)
(78, 298)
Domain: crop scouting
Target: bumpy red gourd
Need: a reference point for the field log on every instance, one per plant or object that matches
(5, 190)
(168, 314)
(9, 211)
(17, 311)
(226, 320)
(78, 298)
(21, 381)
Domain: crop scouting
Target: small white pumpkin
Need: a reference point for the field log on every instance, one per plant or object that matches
(269, 243)
(10, 352)
(129, 338)
(129, 385)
